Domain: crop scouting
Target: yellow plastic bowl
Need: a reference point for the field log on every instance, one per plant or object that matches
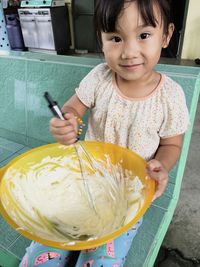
(125, 157)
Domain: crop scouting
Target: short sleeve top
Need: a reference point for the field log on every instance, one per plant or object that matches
(134, 123)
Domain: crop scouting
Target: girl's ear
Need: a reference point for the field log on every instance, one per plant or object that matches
(168, 35)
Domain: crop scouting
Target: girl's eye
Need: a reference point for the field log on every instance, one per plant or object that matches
(116, 39)
(144, 36)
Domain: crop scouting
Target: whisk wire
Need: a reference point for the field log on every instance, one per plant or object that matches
(85, 180)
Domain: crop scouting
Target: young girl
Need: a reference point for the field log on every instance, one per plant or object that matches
(130, 104)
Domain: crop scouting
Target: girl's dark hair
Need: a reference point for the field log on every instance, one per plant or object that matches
(107, 12)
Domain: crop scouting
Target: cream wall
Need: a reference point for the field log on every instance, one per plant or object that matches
(191, 42)
(68, 2)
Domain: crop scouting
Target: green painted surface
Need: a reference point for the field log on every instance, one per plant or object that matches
(7, 148)
(8, 159)
(9, 145)
(8, 260)
(8, 236)
(13, 154)
(48, 77)
(12, 92)
(27, 124)
(19, 246)
(145, 241)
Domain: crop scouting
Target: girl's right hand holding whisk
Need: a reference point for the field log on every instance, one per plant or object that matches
(65, 131)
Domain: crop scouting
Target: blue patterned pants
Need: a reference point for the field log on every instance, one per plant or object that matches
(111, 254)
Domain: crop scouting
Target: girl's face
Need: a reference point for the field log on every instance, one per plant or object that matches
(134, 49)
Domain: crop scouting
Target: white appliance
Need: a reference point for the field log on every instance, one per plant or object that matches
(46, 29)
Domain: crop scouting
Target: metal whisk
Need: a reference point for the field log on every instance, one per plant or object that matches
(78, 147)
(79, 150)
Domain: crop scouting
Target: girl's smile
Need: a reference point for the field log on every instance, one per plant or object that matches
(131, 67)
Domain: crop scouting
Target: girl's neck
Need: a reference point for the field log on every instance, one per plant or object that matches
(138, 88)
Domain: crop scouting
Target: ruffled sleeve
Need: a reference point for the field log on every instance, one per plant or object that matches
(176, 116)
(88, 87)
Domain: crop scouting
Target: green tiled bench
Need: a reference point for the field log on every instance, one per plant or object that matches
(24, 124)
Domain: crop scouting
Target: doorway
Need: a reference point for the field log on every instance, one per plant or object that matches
(179, 14)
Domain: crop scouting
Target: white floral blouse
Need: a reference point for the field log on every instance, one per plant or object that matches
(137, 124)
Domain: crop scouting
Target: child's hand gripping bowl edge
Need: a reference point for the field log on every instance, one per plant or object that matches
(166, 157)
(157, 172)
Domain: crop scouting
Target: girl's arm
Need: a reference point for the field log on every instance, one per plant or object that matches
(166, 156)
(75, 106)
(66, 131)
(169, 151)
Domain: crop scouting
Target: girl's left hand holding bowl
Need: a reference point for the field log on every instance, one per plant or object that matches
(157, 171)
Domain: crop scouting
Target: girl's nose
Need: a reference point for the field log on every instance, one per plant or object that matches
(130, 50)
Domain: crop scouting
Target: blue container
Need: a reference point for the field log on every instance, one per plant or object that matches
(14, 32)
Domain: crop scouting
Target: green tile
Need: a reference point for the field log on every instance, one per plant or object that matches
(33, 142)
(7, 259)
(60, 81)
(8, 149)
(14, 136)
(7, 160)
(4, 154)
(145, 238)
(23, 150)
(13, 95)
(14, 155)
(10, 145)
(172, 174)
(169, 191)
(177, 70)
(49, 58)
(163, 202)
(8, 234)
(19, 246)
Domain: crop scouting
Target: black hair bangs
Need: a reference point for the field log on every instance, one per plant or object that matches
(147, 10)
(107, 13)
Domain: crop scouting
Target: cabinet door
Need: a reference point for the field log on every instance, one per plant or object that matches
(45, 32)
(80, 7)
(29, 31)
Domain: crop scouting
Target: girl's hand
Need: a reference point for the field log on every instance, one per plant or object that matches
(157, 172)
(64, 131)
